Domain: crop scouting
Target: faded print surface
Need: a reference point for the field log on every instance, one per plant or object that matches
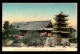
(39, 26)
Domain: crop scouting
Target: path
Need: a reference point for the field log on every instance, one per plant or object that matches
(46, 44)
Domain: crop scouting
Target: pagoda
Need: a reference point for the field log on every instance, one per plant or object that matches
(61, 26)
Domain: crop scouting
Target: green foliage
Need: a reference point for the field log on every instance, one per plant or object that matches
(16, 43)
(72, 32)
(12, 31)
(8, 32)
(6, 27)
(73, 40)
(34, 40)
(3, 35)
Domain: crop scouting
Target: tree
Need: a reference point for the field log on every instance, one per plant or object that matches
(14, 36)
(72, 34)
(33, 38)
(8, 32)
(12, 31)
(5, 33)
(6, 27)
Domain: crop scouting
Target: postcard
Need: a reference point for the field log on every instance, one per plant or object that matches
(39, 27)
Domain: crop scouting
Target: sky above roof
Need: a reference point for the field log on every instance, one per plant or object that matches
(23, 12)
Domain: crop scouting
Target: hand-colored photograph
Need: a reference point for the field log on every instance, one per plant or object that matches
(39, 27)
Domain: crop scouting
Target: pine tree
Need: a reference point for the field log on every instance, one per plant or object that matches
(6, 27)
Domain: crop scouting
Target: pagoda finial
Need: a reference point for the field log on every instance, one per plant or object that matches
(61, 12)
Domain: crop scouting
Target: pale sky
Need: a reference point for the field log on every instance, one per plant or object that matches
(23, 12)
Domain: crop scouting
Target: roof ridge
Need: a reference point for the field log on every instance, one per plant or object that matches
(31, 21)
(39, 21)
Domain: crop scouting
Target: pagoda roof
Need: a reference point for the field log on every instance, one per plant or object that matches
(62, 23)
(62, 27)
(61, 18)
(60, 31)
(62, 14)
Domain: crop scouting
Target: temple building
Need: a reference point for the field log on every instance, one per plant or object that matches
(43, 28)
(61, 27)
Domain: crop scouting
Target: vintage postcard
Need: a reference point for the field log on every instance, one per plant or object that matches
(39, 27)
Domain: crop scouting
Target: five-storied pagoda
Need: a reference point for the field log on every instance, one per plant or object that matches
(61, 26)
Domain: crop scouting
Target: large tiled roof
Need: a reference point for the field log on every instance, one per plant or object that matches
(35, 25)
